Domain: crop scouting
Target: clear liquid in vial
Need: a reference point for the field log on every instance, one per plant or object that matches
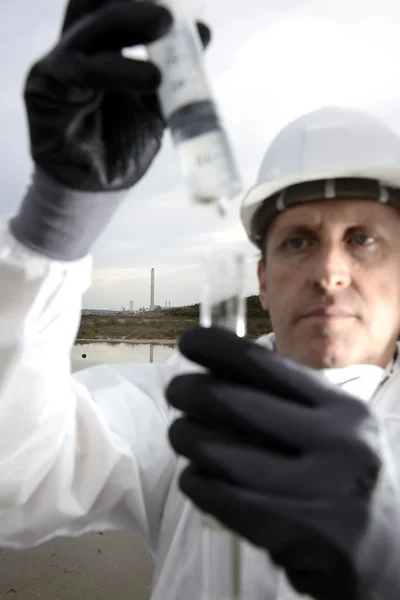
(223, 301)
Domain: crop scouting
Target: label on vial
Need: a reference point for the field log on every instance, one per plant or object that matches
(183, 77)
(208, 167)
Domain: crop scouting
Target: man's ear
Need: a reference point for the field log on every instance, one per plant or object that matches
(262, 284)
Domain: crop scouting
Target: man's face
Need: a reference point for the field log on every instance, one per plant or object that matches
(331, 282)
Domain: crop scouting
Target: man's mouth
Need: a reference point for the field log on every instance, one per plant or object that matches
(327, 313)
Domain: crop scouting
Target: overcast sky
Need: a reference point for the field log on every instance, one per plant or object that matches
(269, 63)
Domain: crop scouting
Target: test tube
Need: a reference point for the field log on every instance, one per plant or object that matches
(223, 300)
(223, 305)
(200, 139)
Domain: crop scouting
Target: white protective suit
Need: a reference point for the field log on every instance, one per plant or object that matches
(90, 452)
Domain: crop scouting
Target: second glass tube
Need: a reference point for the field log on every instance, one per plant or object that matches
(223, 305)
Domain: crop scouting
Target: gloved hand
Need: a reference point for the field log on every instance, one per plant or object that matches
(94, 118)
(288, 462)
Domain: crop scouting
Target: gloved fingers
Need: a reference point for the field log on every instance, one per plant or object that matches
(204, 33)
(79, 9)
(313, 565)
(115, 73)
(273, 463)
(247, 410)
(107, 72)
(239, 509)
(276, 523)
(242, 361)
(269, 469)
(119, 25)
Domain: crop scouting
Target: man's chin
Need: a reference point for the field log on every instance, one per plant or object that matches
(326, 352)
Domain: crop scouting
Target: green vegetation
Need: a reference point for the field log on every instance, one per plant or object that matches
(254, 310)
(162, 325)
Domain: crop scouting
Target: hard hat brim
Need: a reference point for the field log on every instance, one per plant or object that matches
(261, 192)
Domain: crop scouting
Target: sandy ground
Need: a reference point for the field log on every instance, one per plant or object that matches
(110, 566)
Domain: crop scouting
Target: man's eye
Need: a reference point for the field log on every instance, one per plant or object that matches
(363, 239)
(297, 243)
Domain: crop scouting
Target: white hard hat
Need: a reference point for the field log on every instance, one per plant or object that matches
(344, 151)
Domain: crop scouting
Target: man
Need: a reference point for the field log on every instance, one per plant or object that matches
(275, 456)
(301, 468)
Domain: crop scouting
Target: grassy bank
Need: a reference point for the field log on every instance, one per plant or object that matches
(164, 325)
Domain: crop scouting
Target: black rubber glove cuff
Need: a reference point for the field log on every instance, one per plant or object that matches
(62, 223)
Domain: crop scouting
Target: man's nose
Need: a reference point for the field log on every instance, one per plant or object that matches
(332, 268)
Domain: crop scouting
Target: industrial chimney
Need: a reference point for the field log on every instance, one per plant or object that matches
(131, 306)
(152, 290)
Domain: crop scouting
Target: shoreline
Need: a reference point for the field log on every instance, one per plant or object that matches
(125, 341)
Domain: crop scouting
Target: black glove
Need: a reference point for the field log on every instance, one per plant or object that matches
(94, 118)
(288, 462)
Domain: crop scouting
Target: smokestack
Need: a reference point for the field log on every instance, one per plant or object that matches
(169, 304)
(131, 306)
(152, 290)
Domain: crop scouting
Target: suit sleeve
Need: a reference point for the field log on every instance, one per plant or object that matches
(81, 453)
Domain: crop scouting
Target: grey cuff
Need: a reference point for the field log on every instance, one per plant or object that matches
(62, 223)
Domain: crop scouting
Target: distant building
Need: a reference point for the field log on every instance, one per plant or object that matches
(152, 282)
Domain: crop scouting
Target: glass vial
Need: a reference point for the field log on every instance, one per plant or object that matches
(223, 301)
(187, 102)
